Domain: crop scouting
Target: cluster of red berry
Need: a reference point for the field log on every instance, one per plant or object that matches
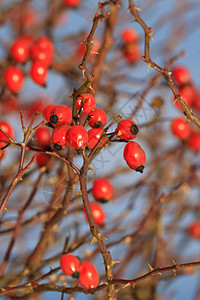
(179, 127)
(131, 48)
(85, 273)
(40, 51)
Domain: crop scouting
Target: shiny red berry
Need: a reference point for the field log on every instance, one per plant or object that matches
(127, 130)
(72, 3)
(89, 277)
(194, 230)
(188, 94)
(98, 118)
(45, 44)
(47, 110)
(43, 50)
(102, 190)
(180, 129)
(181, 75)
(43, 137)
(14, 79)
(86, 103)
(7, 128)
(129, 36)
(39, 72)
(99, 214)
(94, 136)
(134, 156)
(60, 114)
(59, 138)
(42, 159)
(70, 265)
(193, 141)
(20, 50)
(77, 137)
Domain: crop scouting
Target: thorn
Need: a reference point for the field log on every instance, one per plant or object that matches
(148, 66)
(101, 237)
(94, 52)
(90, 20)
(79, 193)
(133, 21)
(93, 240)
(119, 133)
(128, 241)
(169, 73)
(150, 35)
(137, 8)
(175, 100)
(150, 267)
(83, 73)
(114, 262)
(91, 88)
(91, 168)
(127, 10)
(69, 97)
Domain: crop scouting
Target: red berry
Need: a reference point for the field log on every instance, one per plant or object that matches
(43, 51)
(89, 277)
(188, 94)
(180, 129)
(39, 72)
(193, 141)
(98, 118)
(132, 53)
(47, 110)
(87, 102)
(14, 79)
(42, 159)
(72, 3)
(7, 128)
(102, 190)
(45, 44)
(59, 137)
(20, 50)
(181, 75)
(127, 130)
(70, 265)
(94, 136)
(194, 230)
(60, 114)
(42, 136)
(77, 137)
(98, 214)
(134, 156)
(129, 36)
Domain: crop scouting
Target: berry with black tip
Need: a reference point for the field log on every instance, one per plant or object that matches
(102, 190)
(134, 156)
(70, 265)
(59, 138)
(98, 118)
(127, 130)
(60, 114)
